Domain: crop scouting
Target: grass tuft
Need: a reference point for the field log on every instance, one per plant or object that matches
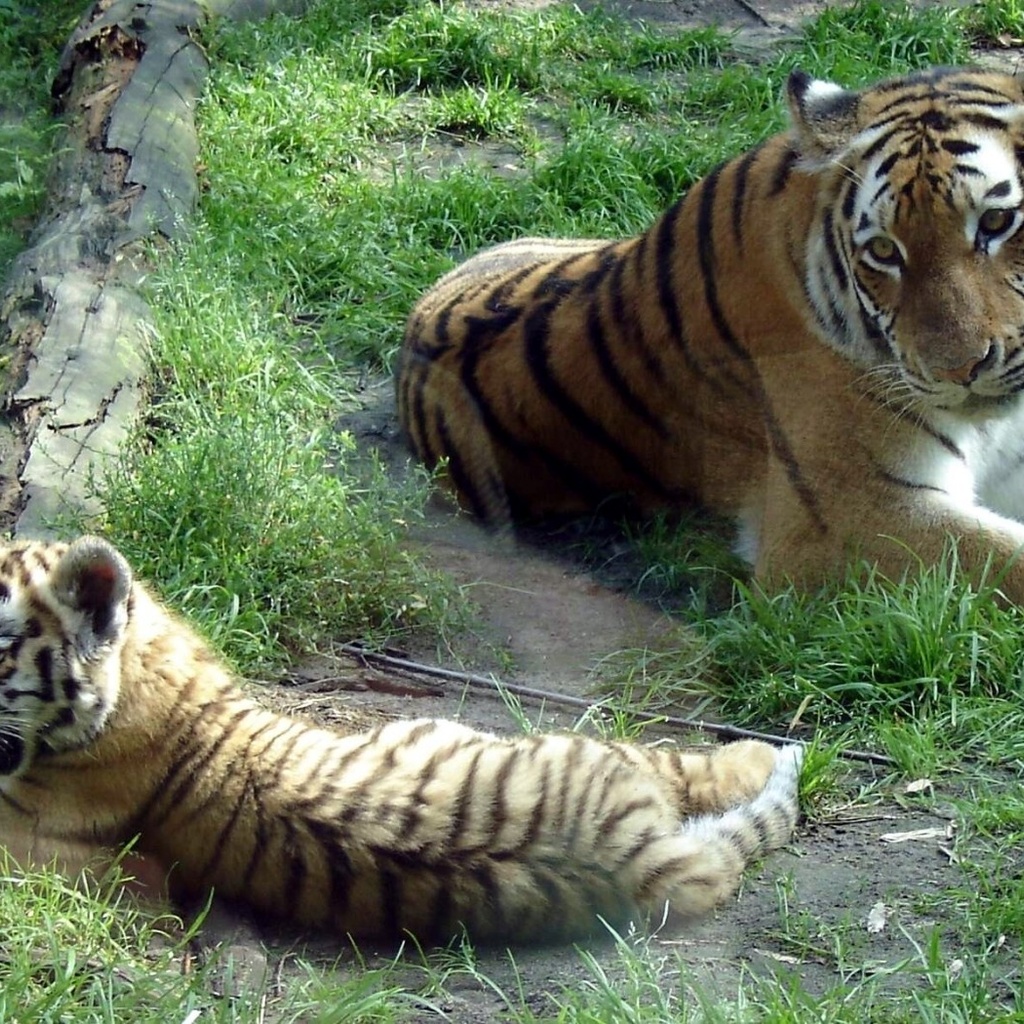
(245, 504)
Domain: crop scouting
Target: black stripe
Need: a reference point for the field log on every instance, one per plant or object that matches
(851, 190)
(964, 86)
(968, 172)
(706, 258)
(43, 662)
(489, 908)
(620, 856)
(739, 193)
(782, 451)
(340, 873)
(664, 244)
(463, 808)
(497, 301)
(617, 382)
(238, 766)
(441, 917)
(555, 285)
(195, 761)
(834, 257)
(14, 805)
(570, 478)
(283, 753)
(1000, 190)
(535, 825)
(563, 818)
(391, 901)
(442, 320)
(887, 164)
(499, 796)
(873, 331)
(782, 171)
(606, 266)
(467, 484)
(959, 147)
(882, 141)
(629, 326)
(415, 418)
(261, 839)
(900, 481)
(984, 121)
(879, 192)
(537, 335)
(292, 849)
(224, 833)
(948, 443)
(920, 424)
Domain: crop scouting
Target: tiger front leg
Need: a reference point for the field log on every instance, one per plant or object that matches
(880, 525)
(81, 862)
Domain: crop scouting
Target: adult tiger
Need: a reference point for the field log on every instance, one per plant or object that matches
(822, 339)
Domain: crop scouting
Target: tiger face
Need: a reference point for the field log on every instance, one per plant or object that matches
(917, 270)
(59, 626)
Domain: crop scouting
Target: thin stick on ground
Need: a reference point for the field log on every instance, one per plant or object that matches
(493, 685)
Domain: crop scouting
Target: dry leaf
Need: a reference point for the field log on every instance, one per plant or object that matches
(782, 958)
(877, 916)
(914, 835)
(918, 786)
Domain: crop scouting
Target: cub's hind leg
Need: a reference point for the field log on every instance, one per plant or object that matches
(709, 780)
(703, 863)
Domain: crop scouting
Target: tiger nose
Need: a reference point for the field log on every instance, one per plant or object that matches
(967, 372)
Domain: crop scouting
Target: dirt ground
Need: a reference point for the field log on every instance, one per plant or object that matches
(546, 623)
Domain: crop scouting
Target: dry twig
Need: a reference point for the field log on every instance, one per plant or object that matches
(492, 685)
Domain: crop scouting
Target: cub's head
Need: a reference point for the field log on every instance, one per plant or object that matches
(63, 613)
(916, 256)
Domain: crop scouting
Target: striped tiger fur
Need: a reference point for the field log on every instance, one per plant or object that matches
(822, 340)
(117, 723)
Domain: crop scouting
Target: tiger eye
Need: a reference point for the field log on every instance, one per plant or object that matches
(883, 249)
(995, 221)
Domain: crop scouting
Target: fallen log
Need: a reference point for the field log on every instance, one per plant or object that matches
(73, 324)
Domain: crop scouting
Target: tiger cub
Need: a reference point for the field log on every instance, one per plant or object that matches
(822, 339)
(117, 722)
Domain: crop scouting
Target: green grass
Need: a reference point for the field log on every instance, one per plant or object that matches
(240, 498)
(31, 38)
(94, 955)
(330, 201)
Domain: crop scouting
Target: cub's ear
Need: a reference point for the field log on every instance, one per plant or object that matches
(94, 579)
(824, 118)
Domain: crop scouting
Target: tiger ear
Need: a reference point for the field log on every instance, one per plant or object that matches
(94, 579)
(824, 117)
